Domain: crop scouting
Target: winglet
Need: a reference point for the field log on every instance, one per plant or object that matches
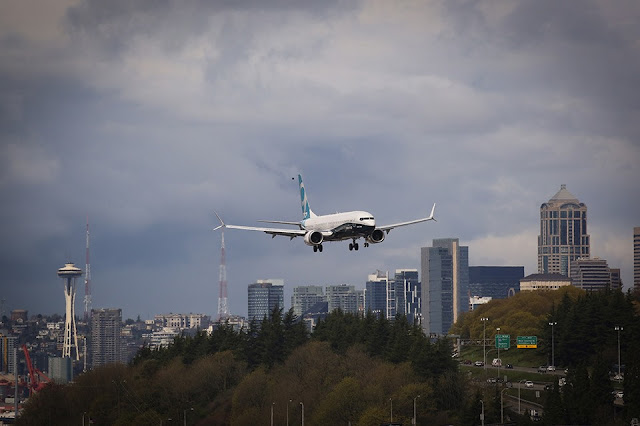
(433, 210)
(222, 224)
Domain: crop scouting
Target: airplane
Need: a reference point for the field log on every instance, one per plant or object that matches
(316, 229)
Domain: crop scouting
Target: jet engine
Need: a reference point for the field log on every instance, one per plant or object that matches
(313, 238)
(377, 236)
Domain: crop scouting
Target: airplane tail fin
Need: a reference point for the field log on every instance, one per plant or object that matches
(306, 210)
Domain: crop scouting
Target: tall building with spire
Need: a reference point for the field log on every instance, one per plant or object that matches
(563, 233)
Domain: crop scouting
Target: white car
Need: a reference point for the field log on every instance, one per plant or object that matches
(551, 368)
(528, 384)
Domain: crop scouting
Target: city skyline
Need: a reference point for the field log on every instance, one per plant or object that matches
(148, 117)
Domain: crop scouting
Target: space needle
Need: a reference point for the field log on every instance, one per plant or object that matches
(69, 273)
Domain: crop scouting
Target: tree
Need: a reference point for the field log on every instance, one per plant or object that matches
(343, 404)
(553, 408)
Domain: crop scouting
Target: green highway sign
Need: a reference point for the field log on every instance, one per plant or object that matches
(527, 342)
(503, 341)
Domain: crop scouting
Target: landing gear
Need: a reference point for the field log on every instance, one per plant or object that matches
(366, 244)
(353, 246)
(317, 248)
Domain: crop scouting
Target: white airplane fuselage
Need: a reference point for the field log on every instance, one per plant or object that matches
(343, 226)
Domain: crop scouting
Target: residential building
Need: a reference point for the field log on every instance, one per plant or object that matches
(535, 282)
(344, 297)
(161, 338)
(590, 274)
(563, 233)
(19, 315)
(496, 282)
(7, 361)
(445, 284)
(106, 329)
(306, 296)
(408, 294)
(182, 321)
(60, 369)
(263, 297)
(616, 279)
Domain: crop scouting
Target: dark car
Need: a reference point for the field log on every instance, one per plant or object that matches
(509, 366)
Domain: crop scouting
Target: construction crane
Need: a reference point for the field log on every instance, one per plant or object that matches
(38, 379)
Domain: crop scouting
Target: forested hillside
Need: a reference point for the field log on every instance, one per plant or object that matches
(357, 370)
(352, 369)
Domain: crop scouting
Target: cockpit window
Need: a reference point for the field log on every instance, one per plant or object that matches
(366, 218)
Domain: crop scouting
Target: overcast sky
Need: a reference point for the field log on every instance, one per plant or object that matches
(146, 116)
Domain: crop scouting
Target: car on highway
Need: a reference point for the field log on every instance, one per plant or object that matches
(509, 366)
(551, 368)
(542, 369)
(479, 363)
(528, 384)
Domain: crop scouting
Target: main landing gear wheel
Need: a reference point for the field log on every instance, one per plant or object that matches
(317, 248)
(353, 246)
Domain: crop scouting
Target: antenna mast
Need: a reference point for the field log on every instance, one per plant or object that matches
(87, 280)
(223, 308)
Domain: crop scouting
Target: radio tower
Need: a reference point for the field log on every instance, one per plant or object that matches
(223, 308)
(87, 281)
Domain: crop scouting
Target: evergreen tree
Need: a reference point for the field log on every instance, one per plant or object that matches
(553, 408)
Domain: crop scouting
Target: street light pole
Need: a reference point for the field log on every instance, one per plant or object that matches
(499, 361)
(302, 404)
(415, 419)
(553, 355)
(185, 415)
(484, 342)
(502, 406)
(272, 404)
(391, 418)
(482, 413)
(519, 385)
(619, 329)
(288, 412)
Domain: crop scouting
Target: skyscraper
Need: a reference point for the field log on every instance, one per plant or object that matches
(445, 284)
(409, 302)
(377, 293)
(590, 274)
(305, 297)
(344, 297)
(106, 326)
(636, 258)
(263, 297)
(563, 233)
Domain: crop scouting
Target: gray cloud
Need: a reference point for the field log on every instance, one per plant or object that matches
(148, 116)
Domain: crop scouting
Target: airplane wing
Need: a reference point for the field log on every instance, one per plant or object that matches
(291, 233)
(282, 222)
(388, 228)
